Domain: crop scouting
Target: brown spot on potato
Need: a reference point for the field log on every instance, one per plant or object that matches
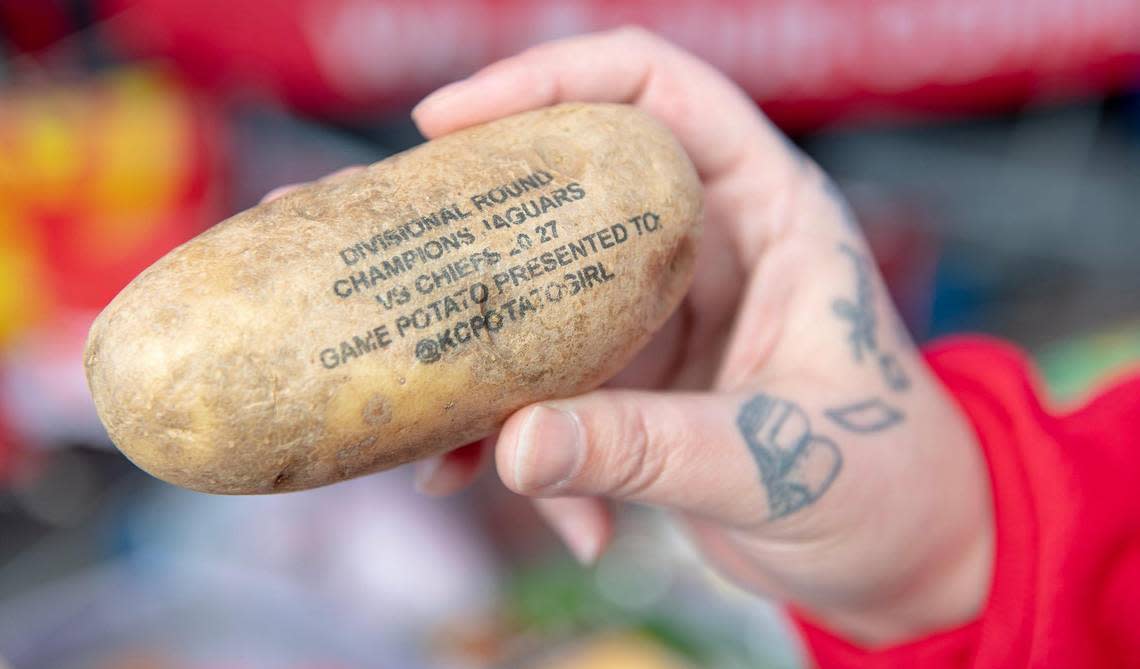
(312, 211)
(558, 155)
(376, 411)
(282, 478)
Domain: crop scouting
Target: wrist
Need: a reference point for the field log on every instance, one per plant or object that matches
(945, 548)
(942, 597)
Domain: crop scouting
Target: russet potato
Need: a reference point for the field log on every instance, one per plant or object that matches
(372, 319)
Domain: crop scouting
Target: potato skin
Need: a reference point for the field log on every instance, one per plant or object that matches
(369, 320)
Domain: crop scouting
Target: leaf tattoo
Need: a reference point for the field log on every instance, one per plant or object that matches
(864, 323)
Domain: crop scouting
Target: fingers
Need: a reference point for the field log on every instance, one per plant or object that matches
(584, 524)
(715, 122)
(681, 451)
(451, 472)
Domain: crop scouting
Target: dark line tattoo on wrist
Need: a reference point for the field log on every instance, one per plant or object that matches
(861, 312)
(864, 323)
(873, 415)
(796, 465)
(893, 372)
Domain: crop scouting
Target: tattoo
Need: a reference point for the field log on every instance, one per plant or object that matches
(861, 312)
(872, 415)
(796, 465)
(893, 372)
(864, 324)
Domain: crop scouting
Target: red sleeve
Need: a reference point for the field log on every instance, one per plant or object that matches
(1066, 585)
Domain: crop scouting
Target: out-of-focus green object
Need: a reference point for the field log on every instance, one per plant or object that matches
(563, 597)
(1076, 367)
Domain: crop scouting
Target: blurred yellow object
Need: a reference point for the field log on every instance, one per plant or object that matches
(618, 651)
(143, 143)
(97, 180)
(115, 149)
(45, 161)
(21, 302)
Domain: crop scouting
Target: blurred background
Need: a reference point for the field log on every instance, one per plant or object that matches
(990, 149)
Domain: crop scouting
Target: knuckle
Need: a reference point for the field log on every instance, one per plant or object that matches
(531, 53)
(790, 197)
(640, 463)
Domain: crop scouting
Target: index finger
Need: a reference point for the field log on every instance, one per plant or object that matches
(718, 126)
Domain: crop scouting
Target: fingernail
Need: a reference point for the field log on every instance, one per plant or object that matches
(584, 543)
(441, 94)
(423, 473)
(549, 450)
(278, 192)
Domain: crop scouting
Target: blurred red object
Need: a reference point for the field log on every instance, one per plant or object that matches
(809, 62)
(10, 454)
(97, 181)
(31, 26)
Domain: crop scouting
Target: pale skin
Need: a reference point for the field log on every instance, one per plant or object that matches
(781, 414)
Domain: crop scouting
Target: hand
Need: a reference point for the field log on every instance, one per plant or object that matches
(782, 413)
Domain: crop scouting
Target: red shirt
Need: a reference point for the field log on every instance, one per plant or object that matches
(1066, 584)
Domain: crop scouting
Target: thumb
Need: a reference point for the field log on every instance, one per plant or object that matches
(732, 459)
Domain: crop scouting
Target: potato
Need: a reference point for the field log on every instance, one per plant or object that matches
(368, 320)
